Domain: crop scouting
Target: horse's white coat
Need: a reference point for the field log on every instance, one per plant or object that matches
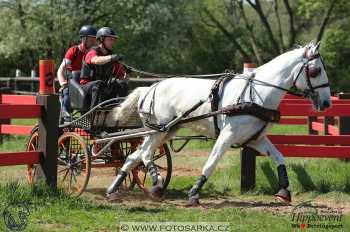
(177, 95)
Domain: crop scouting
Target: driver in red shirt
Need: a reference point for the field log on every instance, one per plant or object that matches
(102, 76)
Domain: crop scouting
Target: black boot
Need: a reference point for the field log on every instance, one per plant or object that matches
(193, 194)
(156, 190)
(116, 182)
(153, 171)
(283, 194)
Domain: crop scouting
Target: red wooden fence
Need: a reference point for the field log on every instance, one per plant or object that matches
(334, 142)
(16, 106)
(46, 109)
(13, 106)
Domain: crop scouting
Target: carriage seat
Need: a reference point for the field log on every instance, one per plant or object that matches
(78, 97)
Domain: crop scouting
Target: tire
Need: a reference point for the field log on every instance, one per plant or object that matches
(73, 164)
(33, 145)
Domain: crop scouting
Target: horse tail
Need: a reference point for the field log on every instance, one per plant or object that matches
(127, 109)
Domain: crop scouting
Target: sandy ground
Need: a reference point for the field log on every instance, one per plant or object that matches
(100, 179)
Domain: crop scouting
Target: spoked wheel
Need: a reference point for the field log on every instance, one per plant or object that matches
(33, 145)
(73, 164)
(163, 162)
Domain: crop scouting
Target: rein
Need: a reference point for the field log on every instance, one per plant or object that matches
(161, 75)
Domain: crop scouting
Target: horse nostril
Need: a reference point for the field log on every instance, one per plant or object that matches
(326, 104)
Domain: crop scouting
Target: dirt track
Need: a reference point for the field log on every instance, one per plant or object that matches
(101, 179)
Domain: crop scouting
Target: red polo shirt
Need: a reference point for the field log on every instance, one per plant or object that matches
(118, 69)
(76, 54)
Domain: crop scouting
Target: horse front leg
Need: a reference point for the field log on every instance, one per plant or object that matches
(264, 146)
(223, 142)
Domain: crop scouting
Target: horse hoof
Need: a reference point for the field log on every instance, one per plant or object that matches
(192, 202)
(284, 196)
(114, 197)
(156, 192)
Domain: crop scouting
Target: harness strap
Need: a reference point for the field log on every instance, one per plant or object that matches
(248, 83)
(248, 108)
(215, 95)
(215, 98)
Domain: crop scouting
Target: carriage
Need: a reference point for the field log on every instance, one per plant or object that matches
(76, 159)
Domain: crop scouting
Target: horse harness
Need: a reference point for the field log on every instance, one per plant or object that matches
(244, 108)
(241, 108)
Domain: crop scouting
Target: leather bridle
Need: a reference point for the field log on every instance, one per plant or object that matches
(311, 71)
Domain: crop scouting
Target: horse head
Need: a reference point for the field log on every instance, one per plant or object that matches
(312, 79)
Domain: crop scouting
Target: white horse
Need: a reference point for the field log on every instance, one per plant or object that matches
(301, 68)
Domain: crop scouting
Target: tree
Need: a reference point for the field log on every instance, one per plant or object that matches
(265, 32)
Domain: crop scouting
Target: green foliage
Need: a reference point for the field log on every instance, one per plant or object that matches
(336, 52)
(167, 36)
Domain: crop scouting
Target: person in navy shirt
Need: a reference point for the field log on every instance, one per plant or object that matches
(72, 62)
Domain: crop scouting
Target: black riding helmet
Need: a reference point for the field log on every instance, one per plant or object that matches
(87, 30)
(105, 32)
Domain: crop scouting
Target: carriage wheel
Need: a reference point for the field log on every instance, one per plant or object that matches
(34, 171)
(163, 162)
(73, 164)
(32, 145)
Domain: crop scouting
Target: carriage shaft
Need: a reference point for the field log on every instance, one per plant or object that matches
(113, 139)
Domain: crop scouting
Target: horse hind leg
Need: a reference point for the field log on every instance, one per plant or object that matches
(132, 161)
(143, 153)
(264, 146)
(147, 149)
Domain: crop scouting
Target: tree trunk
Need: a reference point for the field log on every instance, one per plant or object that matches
(252, 38)
(280, 34)
(292, 34)
(257, 7)
(232, 38)
(326, 20)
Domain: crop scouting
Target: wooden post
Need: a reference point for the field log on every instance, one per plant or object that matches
(48, 124)
(248, 168)
(328, 120)
(48, 136)
(47, 77)
(3, 121)
(248, 67)
(344, 122)
(309, 122)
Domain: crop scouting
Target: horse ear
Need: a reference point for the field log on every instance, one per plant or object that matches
(317, 45)
(310, 45)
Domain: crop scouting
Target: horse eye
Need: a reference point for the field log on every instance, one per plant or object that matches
(313, 71)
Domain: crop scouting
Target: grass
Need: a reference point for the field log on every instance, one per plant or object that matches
(201, 145)
(318, 176)
(55, 211)
(16, 142)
